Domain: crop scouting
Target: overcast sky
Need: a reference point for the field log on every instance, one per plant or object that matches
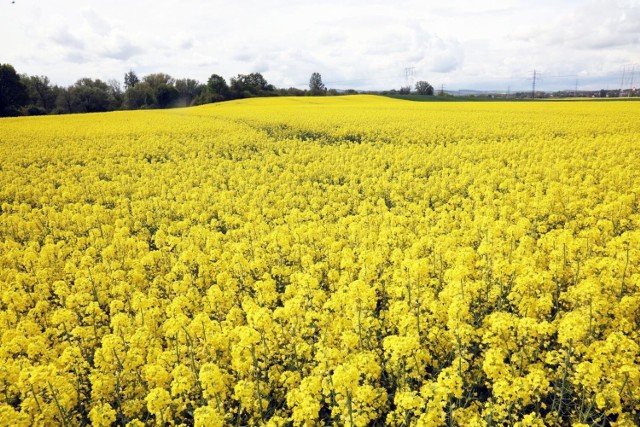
(461, 44)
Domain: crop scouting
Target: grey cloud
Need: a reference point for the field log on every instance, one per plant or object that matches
(76, 57)
(446, 62)
(64, 38)
(97, 24)
(186, 44)
(388, 45)
(331, 39)
(123, 50)
(243, 55)
(605, 41)
(464, 11)
(181, 41)
(599, 27)
(260, 66)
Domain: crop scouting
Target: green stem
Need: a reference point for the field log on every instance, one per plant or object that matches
(60, 410)
(350, 409)
(563, 383)
(624, 275)
(35, 397)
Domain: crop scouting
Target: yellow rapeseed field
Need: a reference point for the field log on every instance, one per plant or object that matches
(308, 261)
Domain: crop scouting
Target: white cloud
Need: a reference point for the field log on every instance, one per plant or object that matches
(597, 24)
(361, 44)
(433, 53)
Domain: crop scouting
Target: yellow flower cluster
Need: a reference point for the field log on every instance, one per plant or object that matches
(322, 261)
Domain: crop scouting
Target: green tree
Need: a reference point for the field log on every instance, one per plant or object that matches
(188, 91)
(130, 79)
(42, 96)
(116, 92)
(292, 91)
(164, 91)
(424, 88)
(254, 84)
(91, 96)
(166, 95)
(218, 85)
(13, 93)
(155, 80)
(316, 87)
(63, 101)
(139, 96)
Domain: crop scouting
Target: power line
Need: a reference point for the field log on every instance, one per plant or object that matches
(533, 88)
(408, 75)
(585, 79)
(360, 80)
(628, 77)
(373, 79)
(569, 76)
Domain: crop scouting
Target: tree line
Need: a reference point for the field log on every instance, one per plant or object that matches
(22, 94)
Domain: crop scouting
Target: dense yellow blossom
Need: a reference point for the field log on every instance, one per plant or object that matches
(322, 261)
